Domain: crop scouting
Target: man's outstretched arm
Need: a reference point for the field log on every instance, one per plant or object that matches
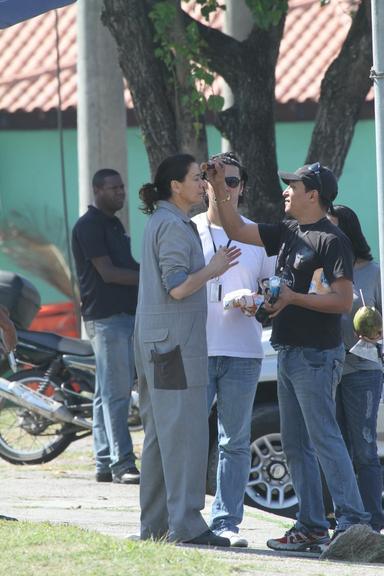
(233, 224)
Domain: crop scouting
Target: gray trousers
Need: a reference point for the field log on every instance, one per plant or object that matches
(174, 460)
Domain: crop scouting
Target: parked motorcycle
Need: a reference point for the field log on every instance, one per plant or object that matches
(47, 404)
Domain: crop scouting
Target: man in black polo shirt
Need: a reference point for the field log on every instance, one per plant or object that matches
(306, 331)
(108, 278)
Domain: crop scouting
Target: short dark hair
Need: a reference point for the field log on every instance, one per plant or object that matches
(100, 176)
(172, 168)
(349, 223)
(231, 159)
(325, 203)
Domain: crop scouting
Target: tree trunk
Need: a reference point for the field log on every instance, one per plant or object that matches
(191, 132)
(250, 124)
(165, 124)
(146, 76)
(249, 69)
(343, 93)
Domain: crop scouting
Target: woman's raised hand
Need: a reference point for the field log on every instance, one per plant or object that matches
(224, 259)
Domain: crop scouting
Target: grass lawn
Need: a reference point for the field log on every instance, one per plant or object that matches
(42, 549)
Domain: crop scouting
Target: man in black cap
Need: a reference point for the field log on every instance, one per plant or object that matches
(306, 332)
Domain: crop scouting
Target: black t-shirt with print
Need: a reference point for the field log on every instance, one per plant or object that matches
(301, 250)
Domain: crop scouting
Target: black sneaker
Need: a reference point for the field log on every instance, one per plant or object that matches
(208, 538)
(129, 476)
(8, 518)
(103, 476)
(297, 541)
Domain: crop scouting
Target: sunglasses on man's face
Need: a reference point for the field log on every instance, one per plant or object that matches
(232, 181)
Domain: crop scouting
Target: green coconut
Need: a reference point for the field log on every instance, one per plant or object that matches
(367, 322)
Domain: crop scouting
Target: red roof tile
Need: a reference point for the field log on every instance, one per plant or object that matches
(312, 39)
(28, 62)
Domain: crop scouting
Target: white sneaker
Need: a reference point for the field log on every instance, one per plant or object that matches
(235, 539)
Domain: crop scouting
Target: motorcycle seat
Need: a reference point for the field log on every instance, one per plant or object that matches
(56, 342)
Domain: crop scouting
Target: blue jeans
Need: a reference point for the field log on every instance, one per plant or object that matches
(112, 342)
(307, 381)
(234, 381)
(357, 403)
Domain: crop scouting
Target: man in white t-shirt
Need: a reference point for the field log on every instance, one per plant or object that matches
(235, 354)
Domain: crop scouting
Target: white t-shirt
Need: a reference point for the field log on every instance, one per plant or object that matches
(230, 332)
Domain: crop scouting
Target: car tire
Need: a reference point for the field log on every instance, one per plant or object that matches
(270, 487)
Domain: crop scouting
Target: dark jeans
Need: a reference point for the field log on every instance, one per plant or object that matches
(307, 381)
(357, 400)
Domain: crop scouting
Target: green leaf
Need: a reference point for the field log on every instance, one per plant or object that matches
(215, 103)
(187, 50)
(267, 13)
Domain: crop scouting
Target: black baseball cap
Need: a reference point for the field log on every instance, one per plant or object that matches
(316, 177)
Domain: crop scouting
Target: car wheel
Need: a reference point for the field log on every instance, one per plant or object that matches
(270, 486)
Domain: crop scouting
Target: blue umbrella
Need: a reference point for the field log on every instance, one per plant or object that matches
(14, 11)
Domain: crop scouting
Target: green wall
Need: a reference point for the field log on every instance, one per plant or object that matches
(30, 182)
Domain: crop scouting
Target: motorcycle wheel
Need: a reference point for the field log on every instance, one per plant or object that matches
(25, 437)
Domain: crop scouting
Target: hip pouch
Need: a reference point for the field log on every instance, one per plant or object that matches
(169, 373)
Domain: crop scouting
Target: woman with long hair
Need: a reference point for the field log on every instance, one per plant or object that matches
(171, 356)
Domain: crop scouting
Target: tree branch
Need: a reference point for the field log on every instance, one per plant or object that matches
(221, 50)
(129, 23)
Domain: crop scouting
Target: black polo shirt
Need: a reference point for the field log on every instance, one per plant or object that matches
(94, 235)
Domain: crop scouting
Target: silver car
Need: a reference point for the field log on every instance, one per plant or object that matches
(270, 487)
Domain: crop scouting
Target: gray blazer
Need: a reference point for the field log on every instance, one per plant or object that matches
(171, 251)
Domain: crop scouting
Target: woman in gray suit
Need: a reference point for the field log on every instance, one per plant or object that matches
(171, 356)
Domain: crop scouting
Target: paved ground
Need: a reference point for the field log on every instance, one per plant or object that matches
(65, 491)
